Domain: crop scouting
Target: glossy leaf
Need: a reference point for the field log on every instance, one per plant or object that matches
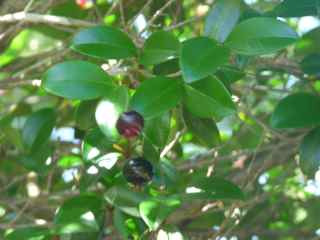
(257, 36)
(207, 220)
(310, 153)
(77, 80)
(157, 129)
(209, 98)
(109, 110)
(150, 151)
(308, 44)
(126, 225)
(155, 211)
(84, 114)
(70, 161)
(159, 47)
(93, 141)
(201, 57)
(222, 18)
(104, 42)
(125, 199)
(36, 159)
(169, 67)
(31, 233)
(213, 188)
(296, 8)
(156, 96)
(83, 213)
(204, 129)
(311, 64)
(38, 127)
(297, 111)
(119, 223)
(229, 75)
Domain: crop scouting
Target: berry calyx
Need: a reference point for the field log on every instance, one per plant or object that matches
(138, 171)
(130, 124)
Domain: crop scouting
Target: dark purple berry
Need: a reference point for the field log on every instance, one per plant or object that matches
(138, 171)
(130, 124)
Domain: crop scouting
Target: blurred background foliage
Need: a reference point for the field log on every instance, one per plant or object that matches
(280, 201)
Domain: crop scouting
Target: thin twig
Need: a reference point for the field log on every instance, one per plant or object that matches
(181, 24)
(131, 21)
(156, 15)
(46, 19)
(172, 143)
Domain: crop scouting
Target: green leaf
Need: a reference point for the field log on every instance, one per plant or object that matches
(69, 161)
(125, 199)
(169, 175)
(207, 220)
(201, 57)
(109, 110)
(95, 139)
(38, 127)
(84, 115)
(296, 8)
(250, 135)
(157, 129)
(298, 110)
(311, 64)
(204, 129)
(222, 18)
(156, 96)
(214, 188)
(119, 222)
(169, 67)
(214, 99)
(229, 75)
(83, 213)
(308, 44)
(159, 47)
(155, 211)
(310, 153)
(77, 80)
(36, 159)
(257, 36)
(150, 151)
(129, 227)
(31, 233)
(104, 42)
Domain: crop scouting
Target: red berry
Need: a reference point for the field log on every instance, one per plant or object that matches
(138, 171)
(130, 124)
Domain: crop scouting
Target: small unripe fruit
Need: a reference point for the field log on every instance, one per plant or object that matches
(130, 124)
(138, 171)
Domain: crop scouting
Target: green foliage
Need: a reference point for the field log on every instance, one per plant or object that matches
(149, 104)
(201, 57)
(159, 47)
(104, 42)
(77, 80)
(309, 153)
(297, 111)
(294, 8)
(79, 214)
(229, 96)
(257, 36)
(211, 94)
(222, 18)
